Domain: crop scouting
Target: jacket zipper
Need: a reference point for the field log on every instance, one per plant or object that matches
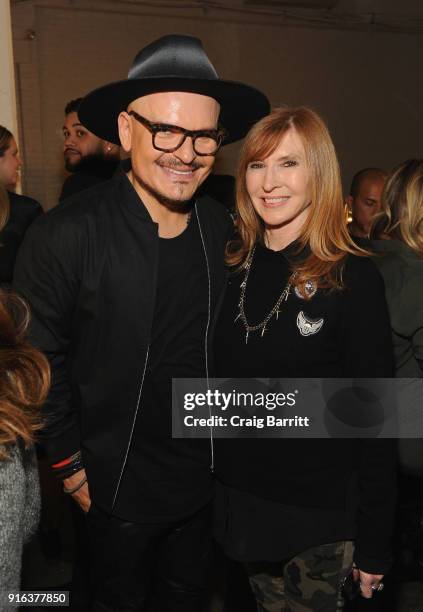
(132, 429)
(207, 333)
(145, 368)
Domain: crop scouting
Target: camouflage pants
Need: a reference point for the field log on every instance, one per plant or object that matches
(310, 582)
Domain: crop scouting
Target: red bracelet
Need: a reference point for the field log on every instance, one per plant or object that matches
(62, 463)
(66, 461)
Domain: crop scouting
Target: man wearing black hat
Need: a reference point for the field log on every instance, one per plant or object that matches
(124, 295)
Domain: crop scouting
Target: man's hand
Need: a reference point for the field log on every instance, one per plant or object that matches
(367, 581)
(82, 496)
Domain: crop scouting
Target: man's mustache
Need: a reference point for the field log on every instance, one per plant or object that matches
(178, 165)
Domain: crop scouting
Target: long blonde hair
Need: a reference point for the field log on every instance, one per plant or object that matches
(325, 230)
(402, 206)
(4, 207)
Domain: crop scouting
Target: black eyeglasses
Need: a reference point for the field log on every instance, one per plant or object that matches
(169, 138)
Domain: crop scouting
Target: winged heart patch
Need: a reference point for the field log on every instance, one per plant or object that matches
(308, 326)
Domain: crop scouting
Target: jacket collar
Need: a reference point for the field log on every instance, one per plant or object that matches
(294, 252)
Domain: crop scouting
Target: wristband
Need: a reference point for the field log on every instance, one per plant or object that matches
(68, 467)
(75, 488)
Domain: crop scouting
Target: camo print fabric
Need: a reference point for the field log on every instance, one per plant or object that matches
(310, 582)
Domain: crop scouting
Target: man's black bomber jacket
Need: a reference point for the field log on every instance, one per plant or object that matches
(88, 270)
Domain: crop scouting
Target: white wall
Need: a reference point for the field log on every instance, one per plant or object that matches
(367, 85)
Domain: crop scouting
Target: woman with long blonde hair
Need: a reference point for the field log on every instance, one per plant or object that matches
(401, 218)
(397, 239)
(302, 301)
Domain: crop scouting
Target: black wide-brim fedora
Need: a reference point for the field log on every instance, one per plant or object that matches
(173, 63)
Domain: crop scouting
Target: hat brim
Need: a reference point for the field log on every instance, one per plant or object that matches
(240, 105)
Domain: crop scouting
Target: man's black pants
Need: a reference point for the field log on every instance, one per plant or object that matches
(154, 567)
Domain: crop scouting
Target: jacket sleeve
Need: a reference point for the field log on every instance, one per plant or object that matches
(46, 276)
(368, 353)
(412, 308)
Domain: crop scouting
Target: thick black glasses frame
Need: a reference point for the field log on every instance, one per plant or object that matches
(217, 135)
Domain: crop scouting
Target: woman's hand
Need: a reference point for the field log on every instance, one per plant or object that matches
(369, 583)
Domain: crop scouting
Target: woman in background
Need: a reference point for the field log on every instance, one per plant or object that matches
(302, 301)
(10, 162)
(397, 240)
(398, 235)
(21, 210)
(24, 382)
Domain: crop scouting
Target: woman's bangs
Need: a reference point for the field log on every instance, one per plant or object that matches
(264, 143)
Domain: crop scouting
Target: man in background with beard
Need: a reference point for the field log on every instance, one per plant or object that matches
(90, 159)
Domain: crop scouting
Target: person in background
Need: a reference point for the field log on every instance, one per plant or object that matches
(88, 158)
(397, 234)
(298, 305)
(20, 210)
(364, 200)
(397, 241)
(10, 162)
(24, 383)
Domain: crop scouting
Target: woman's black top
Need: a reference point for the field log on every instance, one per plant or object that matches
(23, 211)
(341, 488)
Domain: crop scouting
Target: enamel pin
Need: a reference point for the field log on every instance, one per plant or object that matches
(308, 326)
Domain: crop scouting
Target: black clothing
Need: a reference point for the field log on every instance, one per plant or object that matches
(167, 478)
(402, 271)
(93, 169)
(90, 275)
(23, 211)
(220, 187)
(354, 341)
(130, 560)
(281, 530)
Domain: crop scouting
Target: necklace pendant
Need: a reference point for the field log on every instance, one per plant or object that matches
(246, 336)
(277, 315)
(237, 317)
(263, 331)
(243, 284)
(310, 289)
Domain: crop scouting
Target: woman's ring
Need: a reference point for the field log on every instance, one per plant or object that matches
(377, 587)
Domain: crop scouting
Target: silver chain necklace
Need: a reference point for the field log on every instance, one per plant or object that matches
(241, 305)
